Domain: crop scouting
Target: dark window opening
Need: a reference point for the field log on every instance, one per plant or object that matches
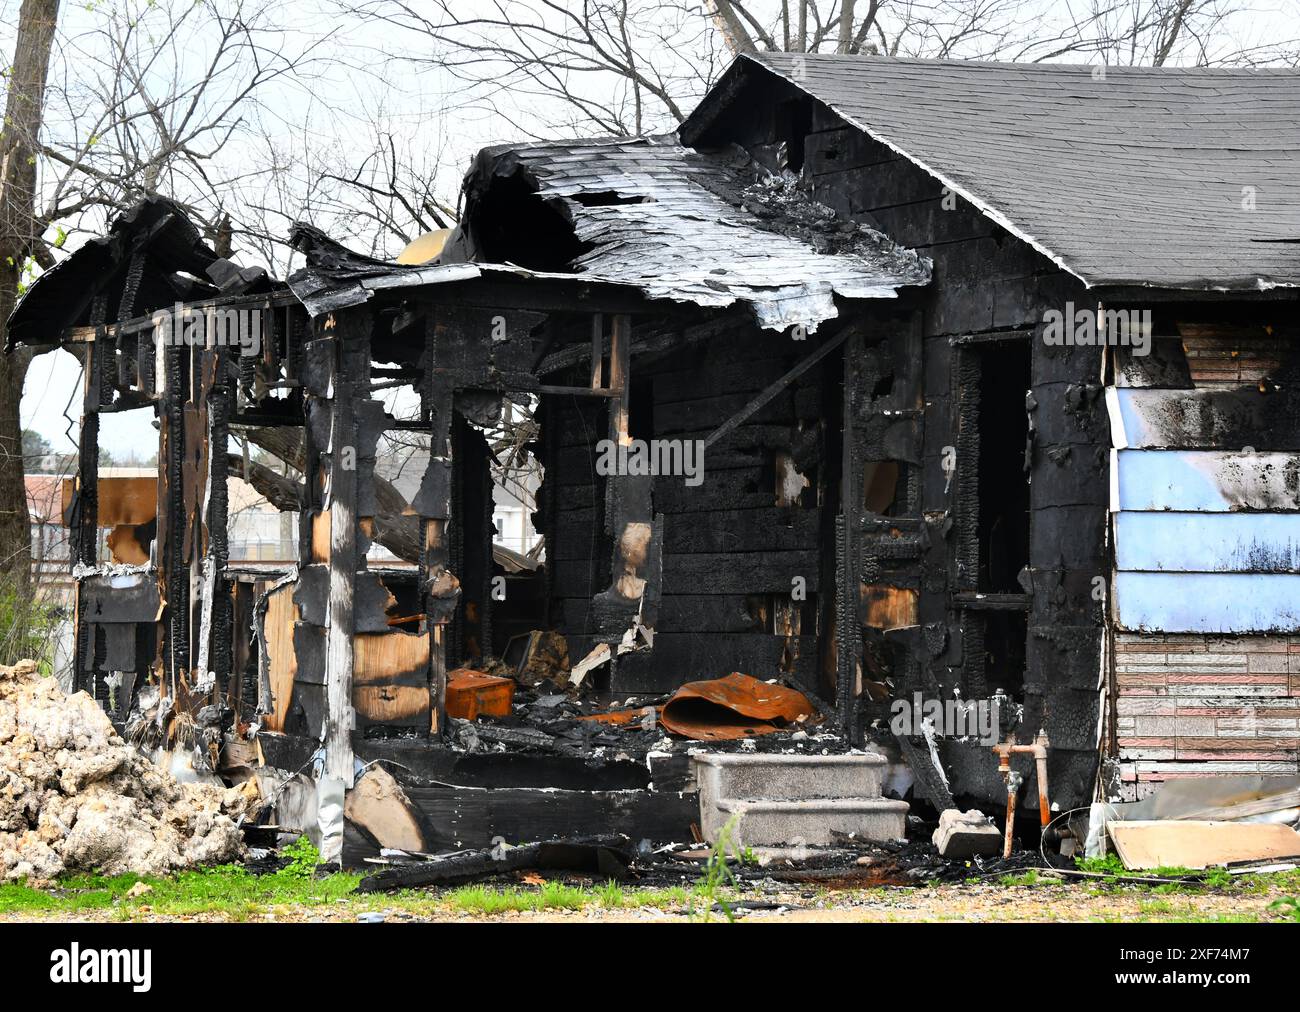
(641, 408)
(1003, 484)
(793, 124)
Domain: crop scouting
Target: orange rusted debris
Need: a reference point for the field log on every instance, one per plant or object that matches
(736, 706)
(620, 717)
(472, 694)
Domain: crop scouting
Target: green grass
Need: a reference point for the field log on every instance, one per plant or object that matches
(479, 899)
(1027, 878)
(488, 900)
(235, 893)
(238, 894)
(229, 889)
(1218, 879)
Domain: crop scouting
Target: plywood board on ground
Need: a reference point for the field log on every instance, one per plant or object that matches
(1182, 843)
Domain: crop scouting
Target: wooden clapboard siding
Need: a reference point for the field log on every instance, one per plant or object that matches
(1205, 481)
(1208, 602)
(1208, 542)
(1147, 418)
(1206, 500)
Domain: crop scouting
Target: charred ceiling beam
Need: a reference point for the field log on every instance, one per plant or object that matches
(659, 340)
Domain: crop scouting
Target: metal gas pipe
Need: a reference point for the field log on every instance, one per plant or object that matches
(1014, 780)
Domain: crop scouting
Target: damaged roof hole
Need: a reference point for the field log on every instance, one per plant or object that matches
(513, 224)
(609, 198)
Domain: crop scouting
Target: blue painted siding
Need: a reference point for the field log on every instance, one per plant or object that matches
(1205, 481)
(1208, 542)
(1208, 602)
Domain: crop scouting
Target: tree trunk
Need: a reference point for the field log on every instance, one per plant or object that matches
(18, 236)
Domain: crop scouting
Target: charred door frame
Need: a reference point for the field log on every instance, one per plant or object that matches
(879, 556)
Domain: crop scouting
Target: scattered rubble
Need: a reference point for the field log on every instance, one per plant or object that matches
(966, 834)
(606, 857)
(75, 797)
(548, 714)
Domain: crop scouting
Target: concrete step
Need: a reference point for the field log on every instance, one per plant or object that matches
(788, 777)
(812, 823)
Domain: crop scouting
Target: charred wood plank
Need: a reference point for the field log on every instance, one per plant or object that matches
(757, 404)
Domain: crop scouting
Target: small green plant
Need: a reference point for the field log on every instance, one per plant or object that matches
(717, 876)
(1218, 878)
(303, 857)
(1288, 907)
(29, 624)
(610, 895)
(1108, 864)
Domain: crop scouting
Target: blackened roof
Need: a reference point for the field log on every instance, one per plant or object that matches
(712, 229)
(177, 265)
(1176, 177)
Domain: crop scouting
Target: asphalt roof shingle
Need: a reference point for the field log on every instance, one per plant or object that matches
(1140, 176)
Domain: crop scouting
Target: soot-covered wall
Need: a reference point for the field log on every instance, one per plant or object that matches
(736, 544)
(999, 408)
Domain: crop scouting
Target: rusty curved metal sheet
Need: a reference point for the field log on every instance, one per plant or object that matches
(736, 706)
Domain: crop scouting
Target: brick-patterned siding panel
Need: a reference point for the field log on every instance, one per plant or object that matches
(1190, 705)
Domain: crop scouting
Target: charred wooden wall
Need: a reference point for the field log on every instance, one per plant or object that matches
(984, 307)
(736, 545)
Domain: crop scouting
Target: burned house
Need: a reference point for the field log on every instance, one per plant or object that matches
(888, 380)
